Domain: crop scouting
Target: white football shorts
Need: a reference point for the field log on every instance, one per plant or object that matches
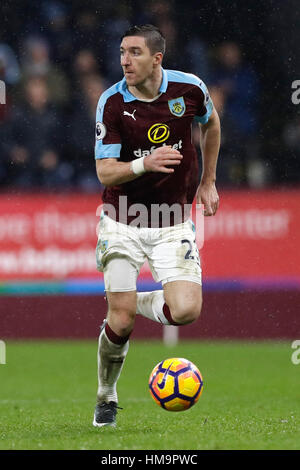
(122, 249)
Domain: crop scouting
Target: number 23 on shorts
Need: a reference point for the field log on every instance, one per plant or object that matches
(192, 252)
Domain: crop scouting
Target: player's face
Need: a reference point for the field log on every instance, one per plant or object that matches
(136, 60)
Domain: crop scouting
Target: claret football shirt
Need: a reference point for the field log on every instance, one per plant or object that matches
(128, 128)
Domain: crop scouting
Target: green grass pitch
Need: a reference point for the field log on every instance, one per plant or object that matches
(251, 398)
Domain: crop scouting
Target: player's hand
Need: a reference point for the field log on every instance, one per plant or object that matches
(208, 196)
(159, 160)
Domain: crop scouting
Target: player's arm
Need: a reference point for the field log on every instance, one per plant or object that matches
(112, 172)
(210, 136)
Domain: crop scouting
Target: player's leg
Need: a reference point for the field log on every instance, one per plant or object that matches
(152, 305)
(174, 260)
(119, 258)
(184, 301)
(114, 343)
(120, 278)
(178, 303)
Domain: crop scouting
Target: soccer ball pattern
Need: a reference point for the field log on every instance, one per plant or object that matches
(175, 384)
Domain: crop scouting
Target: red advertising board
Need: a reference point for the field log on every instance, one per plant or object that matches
(48, 236)
(254, 236)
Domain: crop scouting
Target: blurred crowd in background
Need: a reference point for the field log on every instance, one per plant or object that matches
(56, 58)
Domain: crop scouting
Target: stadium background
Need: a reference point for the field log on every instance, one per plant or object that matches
(55, 60)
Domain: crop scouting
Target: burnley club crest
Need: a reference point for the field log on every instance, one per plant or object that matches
(177, 106)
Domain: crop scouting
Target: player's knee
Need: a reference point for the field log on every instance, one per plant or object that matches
(123, 320)
(187, 313)
(121, 312)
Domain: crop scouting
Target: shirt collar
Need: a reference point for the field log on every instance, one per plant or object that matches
(164, 83)
(129, 97)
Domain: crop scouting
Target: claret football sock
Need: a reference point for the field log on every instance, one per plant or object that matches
(152, 305)
(111, 357)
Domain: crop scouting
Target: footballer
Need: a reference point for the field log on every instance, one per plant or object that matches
(148, 164)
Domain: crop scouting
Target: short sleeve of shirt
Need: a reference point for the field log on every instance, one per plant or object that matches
(107, 138)
(205, 106)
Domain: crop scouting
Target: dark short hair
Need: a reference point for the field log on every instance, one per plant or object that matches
(153, 37)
